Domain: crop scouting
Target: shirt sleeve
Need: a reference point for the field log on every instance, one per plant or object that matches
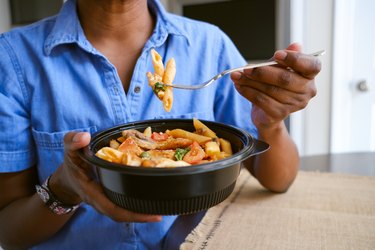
(16, 144)
(230, 106)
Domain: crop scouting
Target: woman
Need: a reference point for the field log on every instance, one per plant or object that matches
(85, 70)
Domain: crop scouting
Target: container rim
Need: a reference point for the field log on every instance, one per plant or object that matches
(249, 144)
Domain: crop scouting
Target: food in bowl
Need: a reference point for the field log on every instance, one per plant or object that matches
(171, 190)
(171, 148)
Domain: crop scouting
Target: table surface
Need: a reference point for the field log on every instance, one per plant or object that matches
(359, 163)
(319, 211)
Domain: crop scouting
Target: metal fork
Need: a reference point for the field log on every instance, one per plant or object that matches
(228, 71)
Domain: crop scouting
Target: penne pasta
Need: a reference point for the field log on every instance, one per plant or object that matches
(161, 77)
(212, 148)
(147, 132)
(225, 146)
(168, 77)
(110, 154)
(114, 144)
(168, 99)
(170, 72)
(157, 62)
(180, 133)
(202, 129)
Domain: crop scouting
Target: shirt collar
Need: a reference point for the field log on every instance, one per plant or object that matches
(67, 28)
(167, 23)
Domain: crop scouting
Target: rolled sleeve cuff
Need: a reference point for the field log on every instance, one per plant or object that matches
(16, 161)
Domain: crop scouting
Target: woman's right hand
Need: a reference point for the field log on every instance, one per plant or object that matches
(74, 182)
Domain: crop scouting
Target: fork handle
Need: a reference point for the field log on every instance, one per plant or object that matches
(256, 65)
(249, 66)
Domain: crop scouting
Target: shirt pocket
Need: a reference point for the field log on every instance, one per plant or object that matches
(199, 115)
(50, 149)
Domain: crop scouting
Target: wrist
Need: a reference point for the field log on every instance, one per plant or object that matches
(271, 130)
(61, 192)
(51, 201)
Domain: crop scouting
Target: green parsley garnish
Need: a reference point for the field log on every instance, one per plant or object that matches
(158, 87)
(180, 153)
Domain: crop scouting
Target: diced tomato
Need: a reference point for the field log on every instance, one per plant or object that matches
(159, 136)
(195, 155)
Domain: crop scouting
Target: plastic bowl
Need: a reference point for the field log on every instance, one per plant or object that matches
(171, 191)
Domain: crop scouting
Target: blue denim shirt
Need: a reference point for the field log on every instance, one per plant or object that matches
(53, 81)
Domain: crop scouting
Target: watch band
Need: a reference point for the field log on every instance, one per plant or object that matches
(56, 206)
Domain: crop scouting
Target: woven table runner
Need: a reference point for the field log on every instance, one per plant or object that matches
(319, 211)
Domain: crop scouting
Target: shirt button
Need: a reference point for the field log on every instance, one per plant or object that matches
(137, 89)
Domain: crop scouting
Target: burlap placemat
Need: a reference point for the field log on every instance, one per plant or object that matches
(319, 211)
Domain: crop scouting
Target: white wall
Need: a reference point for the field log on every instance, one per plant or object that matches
(319, 35)
(5, 22)
(312, 23)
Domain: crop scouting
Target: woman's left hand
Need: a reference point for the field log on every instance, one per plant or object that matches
(278, 91)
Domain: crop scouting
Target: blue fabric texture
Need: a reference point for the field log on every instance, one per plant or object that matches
(53, 81)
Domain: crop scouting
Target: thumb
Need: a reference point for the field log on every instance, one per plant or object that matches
(295, 47)
(76, 140)
(280, 55)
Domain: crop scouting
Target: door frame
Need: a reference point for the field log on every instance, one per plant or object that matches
(341, 73)
(296, 26)
(310, 127)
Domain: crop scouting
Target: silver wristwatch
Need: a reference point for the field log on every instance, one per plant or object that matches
(56, 206)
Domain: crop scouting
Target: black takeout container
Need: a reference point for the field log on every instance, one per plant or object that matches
(171, 191)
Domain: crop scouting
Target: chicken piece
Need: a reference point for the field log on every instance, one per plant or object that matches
(142, 140)
(155, 153)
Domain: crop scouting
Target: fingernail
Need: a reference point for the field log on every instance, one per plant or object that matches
(280, 55)
(236, 76)
(159, 218)
(77, 137)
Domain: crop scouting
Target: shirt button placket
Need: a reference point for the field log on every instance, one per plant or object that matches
(116, 98)
(137, 89)
(130, 237)
(113, 94)
(135, 98)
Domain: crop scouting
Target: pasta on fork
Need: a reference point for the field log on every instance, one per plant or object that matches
(161, 77)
